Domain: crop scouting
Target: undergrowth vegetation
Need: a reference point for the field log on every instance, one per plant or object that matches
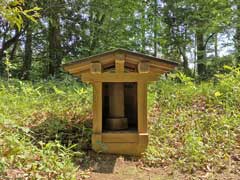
(45, 126)
(195, 126)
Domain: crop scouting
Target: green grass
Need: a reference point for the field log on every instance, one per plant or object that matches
(195, 126)
(46, 126)
(43, 127)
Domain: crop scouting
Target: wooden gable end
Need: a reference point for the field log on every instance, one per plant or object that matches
(120, 61)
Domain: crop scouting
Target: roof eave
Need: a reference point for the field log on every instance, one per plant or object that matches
(121, 51)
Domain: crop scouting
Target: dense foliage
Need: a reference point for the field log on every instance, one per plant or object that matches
(46, 126)
(43, 127)
(197, 125)
(196, 33)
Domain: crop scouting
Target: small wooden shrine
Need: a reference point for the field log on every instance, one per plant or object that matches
(119, 80)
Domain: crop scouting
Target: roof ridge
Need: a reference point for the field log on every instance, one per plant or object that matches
(122, 50)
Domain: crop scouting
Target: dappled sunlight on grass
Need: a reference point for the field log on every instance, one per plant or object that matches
(45, 127)
(195, 126)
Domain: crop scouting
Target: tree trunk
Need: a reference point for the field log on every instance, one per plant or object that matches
(237, 45)
(27, 60)
(13, 51)
(184, 55)
(143, 30)
(1, 63)
(216, 45)
(143, 40)
(155, 27)
(95, 31)
(55, 51)
(6, 44)
(201, 67)
(237, 35)
(185, 61)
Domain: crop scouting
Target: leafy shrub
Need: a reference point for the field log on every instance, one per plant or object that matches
(18, 154)
(43, 127)
(194, 126)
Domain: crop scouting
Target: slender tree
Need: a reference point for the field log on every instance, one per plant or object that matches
(237, 34)
(12, 25)
(27, 60)
(54, 38)
(155, 28)
(201, 67)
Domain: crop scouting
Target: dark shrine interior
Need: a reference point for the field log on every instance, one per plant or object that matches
(130, 106)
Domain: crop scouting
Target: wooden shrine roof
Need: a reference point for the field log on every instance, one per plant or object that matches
(131, 61)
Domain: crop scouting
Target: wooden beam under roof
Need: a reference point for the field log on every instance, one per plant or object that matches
(143, 67)
(96, 68)
(119, 77)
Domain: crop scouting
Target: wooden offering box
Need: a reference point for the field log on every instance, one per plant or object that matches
(119, 80)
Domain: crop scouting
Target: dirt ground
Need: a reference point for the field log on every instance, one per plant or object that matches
(113, 167)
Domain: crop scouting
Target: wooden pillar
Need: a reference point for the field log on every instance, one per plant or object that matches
(142, 106)
(97, 107)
